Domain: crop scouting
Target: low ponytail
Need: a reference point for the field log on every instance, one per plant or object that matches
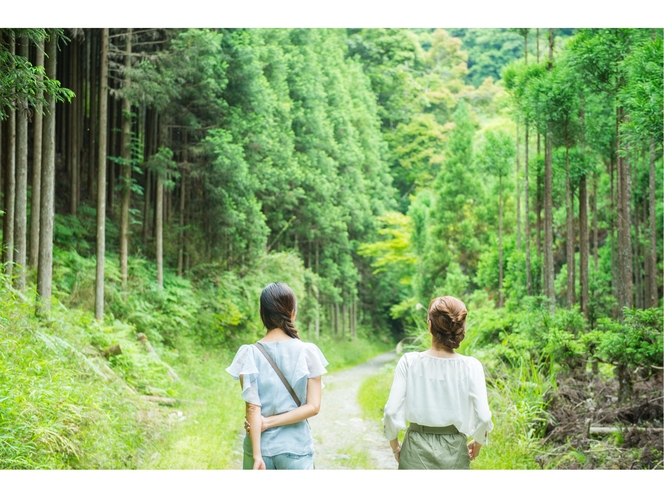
(277, 304)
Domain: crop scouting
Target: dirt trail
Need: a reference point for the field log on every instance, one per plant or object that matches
(342, 438)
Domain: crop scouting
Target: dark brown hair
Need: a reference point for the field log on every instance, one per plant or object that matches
(447, 315)
(277, 304)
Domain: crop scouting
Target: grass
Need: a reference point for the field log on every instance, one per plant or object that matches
(357, 458)
(58, 408)
(213, 412)
(373, 393)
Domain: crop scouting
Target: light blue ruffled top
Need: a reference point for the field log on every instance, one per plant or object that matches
(261, 386)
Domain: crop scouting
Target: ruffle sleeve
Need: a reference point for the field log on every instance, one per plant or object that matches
(244, 364)
(311, 363)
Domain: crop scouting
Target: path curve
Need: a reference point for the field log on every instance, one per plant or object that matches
(342, 438)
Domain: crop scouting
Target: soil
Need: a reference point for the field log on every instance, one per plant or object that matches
(342, 438)
(583, 403)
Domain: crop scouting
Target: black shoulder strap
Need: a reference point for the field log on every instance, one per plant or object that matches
(276, 369)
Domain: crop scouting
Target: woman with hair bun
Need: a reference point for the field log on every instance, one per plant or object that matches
(278, 435)
(443, 396)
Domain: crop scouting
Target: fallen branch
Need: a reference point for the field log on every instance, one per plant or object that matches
(160, 400)
(615, 430)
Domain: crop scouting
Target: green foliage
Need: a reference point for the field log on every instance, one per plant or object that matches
(634, 343)
(21, 83)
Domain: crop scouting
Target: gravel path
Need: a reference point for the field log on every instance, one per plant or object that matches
(342, 438)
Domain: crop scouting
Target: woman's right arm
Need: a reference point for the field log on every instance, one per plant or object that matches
(394, 413)
(303, 412)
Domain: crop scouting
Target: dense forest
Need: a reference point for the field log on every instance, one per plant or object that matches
(154, 180)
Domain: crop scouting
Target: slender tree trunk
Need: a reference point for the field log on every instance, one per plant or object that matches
(35, 197)
(529, 277)
(336, 319)
(10, 187)
(21, 214)
(500, 242)
(518, 192)
(612, 232)
(344, 312)
(45, 264)
(101, 177)
(95, 93)
(652, 297)
(317, 316)
(159, 212)
(548, 204)
(126, 167)
(584, 245)
(73, 130)
(181, 234)
(595, 225)
(570, 233)
(624, 229)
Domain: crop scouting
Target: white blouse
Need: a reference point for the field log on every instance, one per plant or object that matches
(438, 392)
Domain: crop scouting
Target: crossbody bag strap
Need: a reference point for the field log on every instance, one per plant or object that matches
(262, 349)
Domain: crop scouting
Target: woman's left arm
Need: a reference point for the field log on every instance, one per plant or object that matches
(303, 412)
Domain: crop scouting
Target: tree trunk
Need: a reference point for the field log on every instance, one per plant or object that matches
(611, 232)
(35, 196)
(317, 316)
(652, 298)
(73, 130)
(336, 319)
(45, 264)
(94, 106)
(101, 177)
(9, 187)
(21, 214)
(500, 242)
(548, 205)
(584, 245)
(125, 147)
(159, 213)
(595, 226)
(518, 192)
(181, 234)
(569, 243)
(624, 228)
(529, 277)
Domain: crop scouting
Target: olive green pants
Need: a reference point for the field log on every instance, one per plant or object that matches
(425, 451)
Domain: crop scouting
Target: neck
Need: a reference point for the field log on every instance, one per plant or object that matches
(441, 349)
(276, 335)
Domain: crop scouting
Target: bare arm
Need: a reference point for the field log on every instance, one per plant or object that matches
(396, 448)
(303, 412)
(253, 416)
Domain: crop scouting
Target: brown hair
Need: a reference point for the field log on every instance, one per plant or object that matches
(277, 304)
(447, 316)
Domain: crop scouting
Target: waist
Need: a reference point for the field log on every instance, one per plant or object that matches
(448, 429)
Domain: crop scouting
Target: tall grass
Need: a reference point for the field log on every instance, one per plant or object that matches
(58, 408)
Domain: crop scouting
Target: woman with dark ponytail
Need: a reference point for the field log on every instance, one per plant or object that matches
(281, 384)
(443, 396)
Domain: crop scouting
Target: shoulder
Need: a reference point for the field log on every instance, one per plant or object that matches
(312, 350)
(474, 364)
(244, 350)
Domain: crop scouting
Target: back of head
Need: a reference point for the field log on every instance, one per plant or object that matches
(447, 315)
(277, 304)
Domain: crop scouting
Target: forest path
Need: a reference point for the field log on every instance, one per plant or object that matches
(342, 438)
